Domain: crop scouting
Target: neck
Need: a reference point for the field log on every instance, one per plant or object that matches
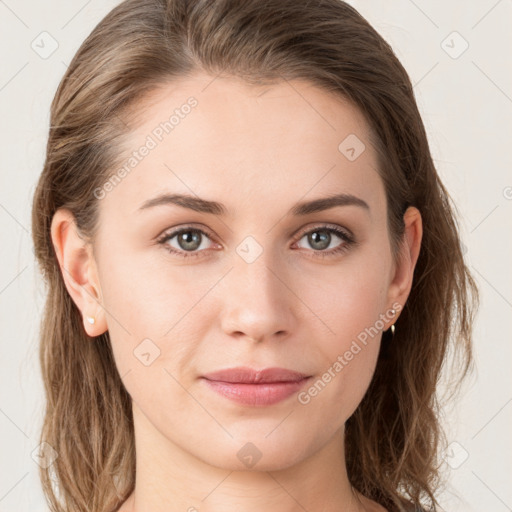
(169, 479)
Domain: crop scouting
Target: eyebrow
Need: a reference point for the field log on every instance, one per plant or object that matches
(212, 207)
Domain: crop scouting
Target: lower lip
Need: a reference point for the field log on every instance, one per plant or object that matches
(268, 393)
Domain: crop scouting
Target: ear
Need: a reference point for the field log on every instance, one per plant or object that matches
(403, 270)
(78, 269)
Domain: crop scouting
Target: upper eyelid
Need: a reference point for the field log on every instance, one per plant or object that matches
(326, 226)
(171, 232)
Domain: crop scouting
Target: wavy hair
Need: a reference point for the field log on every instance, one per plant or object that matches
(394, 438)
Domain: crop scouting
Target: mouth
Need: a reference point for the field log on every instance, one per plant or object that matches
(246, 386)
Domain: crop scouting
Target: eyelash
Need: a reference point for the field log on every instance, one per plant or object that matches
(347, 239)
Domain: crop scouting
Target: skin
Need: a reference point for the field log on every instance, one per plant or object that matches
(257, 150)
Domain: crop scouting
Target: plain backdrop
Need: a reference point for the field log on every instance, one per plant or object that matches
(458, 57)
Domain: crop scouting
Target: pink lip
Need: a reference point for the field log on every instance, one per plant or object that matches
(255, 387)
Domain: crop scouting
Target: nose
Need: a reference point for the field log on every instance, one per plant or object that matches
(257, 302)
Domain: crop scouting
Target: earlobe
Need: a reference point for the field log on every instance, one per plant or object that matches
(402, 279)
(76, 265)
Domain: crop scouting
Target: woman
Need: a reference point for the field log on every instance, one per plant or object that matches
(254, 272)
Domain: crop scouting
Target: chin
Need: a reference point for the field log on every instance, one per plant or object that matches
(257, 453)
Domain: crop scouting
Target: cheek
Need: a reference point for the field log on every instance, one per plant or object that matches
(147, 296)
(349, 306)
(156, 318)
(349, 350)
(336, 392)
(347, 300)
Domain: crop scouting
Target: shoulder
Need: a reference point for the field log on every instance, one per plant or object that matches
(411, 507)
(406, 506)
(415, 508)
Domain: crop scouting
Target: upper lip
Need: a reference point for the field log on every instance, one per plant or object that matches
(247, 375)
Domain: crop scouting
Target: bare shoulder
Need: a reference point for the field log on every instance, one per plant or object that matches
(373, 506)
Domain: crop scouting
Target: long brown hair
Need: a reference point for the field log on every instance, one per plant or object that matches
(393, 439)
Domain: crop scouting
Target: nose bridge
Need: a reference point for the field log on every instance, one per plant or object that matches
(255, 264)
(256, 301)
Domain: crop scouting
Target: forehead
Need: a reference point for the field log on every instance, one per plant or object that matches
(223, 139)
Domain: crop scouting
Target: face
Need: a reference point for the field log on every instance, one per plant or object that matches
(257, 280)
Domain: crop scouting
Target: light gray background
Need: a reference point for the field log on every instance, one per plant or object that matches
(466, 103)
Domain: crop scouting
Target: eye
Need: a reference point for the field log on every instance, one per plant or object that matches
(188, 241)
(321, 238)
(191, 242)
